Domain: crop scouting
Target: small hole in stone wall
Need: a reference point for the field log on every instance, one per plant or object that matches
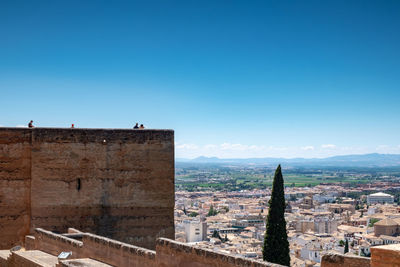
(78, 184)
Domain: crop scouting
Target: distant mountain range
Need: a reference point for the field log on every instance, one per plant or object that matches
(365, 160)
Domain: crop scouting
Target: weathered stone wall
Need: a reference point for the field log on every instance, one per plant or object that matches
(115, 183)
(15, 178)
(117, 253)
(96, 247)
(54, 244)
(170, 253)
(30, 242)
(82, 262)
(32, 258)
(340, 260)
(4, 257)
(385, 256)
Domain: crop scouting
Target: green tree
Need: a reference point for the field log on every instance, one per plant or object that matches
(346, 246)
(193, 214)
(216, 234)
(212, 211)
(276, 245)
(372, 221)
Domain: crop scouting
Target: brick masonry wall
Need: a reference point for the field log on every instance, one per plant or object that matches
(4, 257)
(116, 253)
(54, 244)
(96, 247)
(115, 183)
(15, 178)
(340, 260)
(171, 253)
(30, 242)
(16, 260)
(385, 256)
(32, 258)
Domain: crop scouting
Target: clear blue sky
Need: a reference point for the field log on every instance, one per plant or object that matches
(232, 78)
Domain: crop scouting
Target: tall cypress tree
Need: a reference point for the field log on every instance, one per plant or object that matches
(276, 244)
(346, 246)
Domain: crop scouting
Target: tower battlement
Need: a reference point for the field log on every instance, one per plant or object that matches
(117, 183)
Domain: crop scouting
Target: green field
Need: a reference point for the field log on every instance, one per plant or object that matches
(240, 181)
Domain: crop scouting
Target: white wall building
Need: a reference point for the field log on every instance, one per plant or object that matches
(325, 225)
(380, 198)
(371, 210)
(324, 198)
(195, 231)
(311, 252)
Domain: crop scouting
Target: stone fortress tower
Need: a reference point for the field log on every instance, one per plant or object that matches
(111, 182)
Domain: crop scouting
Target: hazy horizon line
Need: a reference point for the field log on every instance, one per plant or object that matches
(326, 157)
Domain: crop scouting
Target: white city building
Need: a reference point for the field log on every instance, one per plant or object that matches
(324, 198)
(195, 231)
(380, 198)
(311, 251)
(325, 225)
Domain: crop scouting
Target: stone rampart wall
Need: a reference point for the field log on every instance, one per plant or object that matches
(30, 242)
(385, 256)
(171, 253)
(31, 258)
(168, 253)
(17, 260)
(340, 260)
(54, 244)
(4, 257)
(116, 253)
(115, 183)
(15, 178)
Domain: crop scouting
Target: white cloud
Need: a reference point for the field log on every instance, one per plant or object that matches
(21, 126)
(237, 150)
(229, 146)
(187, 146)
(241, 147)
(210, 146)
(274, 148)
(328, 146)
(382, 147)
(258, 148)
(388, 149)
